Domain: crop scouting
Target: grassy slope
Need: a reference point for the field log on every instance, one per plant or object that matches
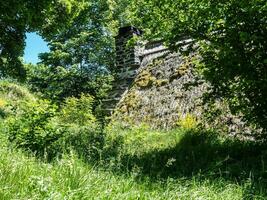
(24, 177)
(143, 164)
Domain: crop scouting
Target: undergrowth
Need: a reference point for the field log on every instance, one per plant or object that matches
(136, 175)
(117, 162)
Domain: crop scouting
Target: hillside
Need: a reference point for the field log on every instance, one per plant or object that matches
(133, 99)
(136, 163)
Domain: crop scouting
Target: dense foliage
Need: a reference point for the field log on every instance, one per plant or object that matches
(18, 17)
(52, 112)
(230, 34)
(132, 159)
(41, 127)
(147, 164)
(80, 58)
(58, 83)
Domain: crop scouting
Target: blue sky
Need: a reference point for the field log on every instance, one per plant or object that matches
(34, 45)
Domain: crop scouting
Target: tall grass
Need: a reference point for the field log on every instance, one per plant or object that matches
(25, 177)
(120, 163)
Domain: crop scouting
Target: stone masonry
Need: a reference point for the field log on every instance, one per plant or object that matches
(156, 86)
(127, 63)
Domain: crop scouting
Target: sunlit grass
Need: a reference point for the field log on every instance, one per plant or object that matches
(25, 177)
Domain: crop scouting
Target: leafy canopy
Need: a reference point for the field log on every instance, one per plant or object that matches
(20, 16)
(80, 56)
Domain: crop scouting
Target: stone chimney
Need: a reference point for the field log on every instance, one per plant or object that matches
(127, 55)
(127, 63)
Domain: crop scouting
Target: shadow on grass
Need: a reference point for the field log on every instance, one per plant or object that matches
(208, 156)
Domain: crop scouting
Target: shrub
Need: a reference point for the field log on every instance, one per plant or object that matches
(11, 96)
(2, 107)
(84, 134)
(34, 128)
(43, 128)
(59, 82)
(14, 91)
(78, 110)
(188, 122)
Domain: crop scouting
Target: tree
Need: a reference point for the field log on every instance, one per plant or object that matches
(233, 45)
(20, 16)
(59, 83)
(80, 56)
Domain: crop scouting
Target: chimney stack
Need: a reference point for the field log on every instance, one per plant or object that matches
(127, 55)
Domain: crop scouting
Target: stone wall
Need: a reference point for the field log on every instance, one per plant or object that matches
(162, 92)
(158, 87)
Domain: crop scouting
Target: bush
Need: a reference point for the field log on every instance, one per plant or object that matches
(84, 132)
(2, 107)
(11, 96)
(59, 83)
(14, 91)
(78, 110)
(188, 122)
(47, 131)
(34, 129)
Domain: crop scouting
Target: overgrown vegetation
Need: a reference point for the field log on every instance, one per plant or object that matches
(76, 159)
(70, 178)
(45, 129)
(53, 142)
